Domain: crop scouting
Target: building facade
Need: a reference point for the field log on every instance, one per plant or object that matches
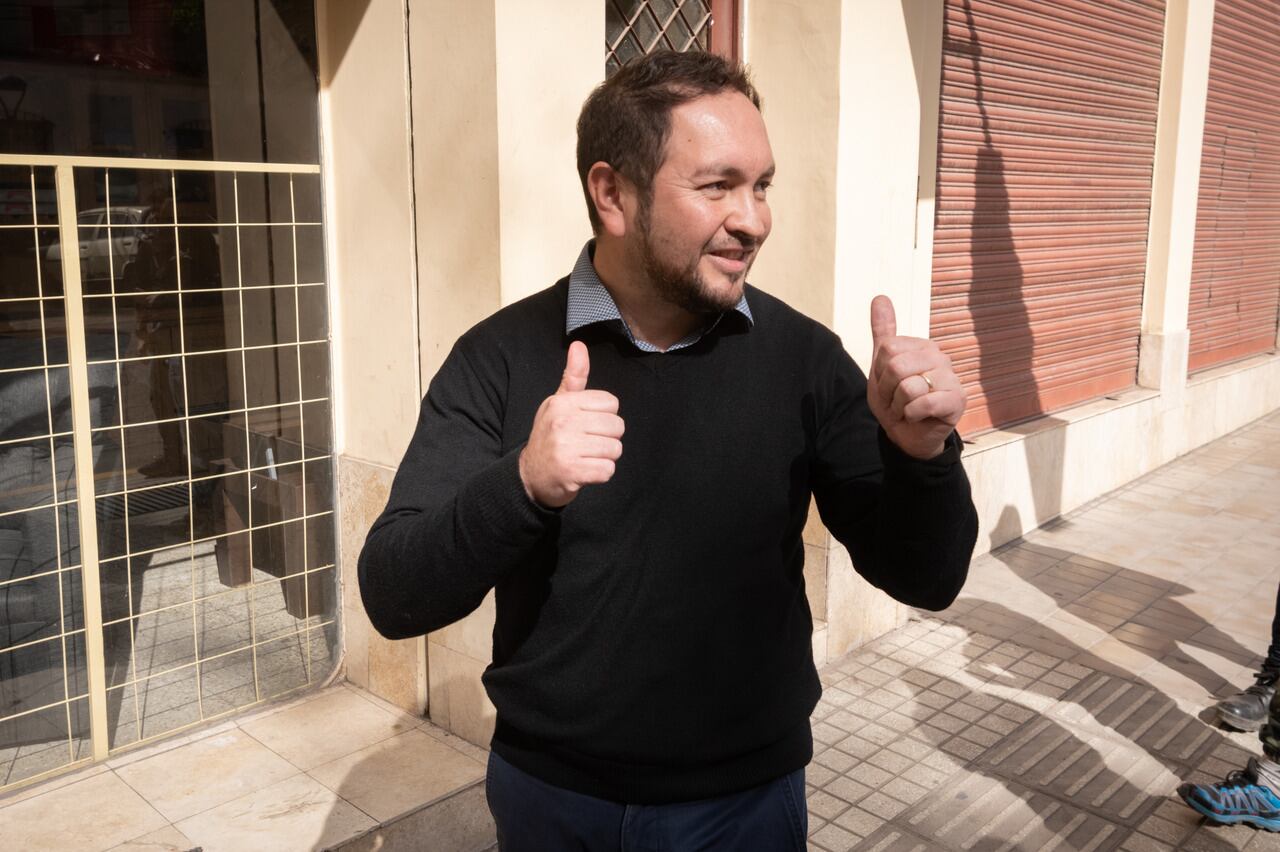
(286, 212)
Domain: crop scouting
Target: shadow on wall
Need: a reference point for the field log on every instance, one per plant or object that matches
(997, 308)
(342, 20)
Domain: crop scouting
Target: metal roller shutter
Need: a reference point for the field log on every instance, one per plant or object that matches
(1046, 141)
(1235, 271)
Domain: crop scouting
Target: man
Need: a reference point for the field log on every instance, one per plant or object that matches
(1247, 710)
(1249, 795)
(628, 458)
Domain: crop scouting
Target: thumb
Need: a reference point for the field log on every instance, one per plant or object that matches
(884, 323)
(576, 368)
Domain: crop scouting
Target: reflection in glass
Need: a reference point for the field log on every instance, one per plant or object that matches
(163, 640)
(168, 701)
(222, 563)
(31, 612)
(151, 389)
(77, 665)
(26, 474)
(118, 650)
(320, 542)
(310, 254)
(22, 398)
(317, 419)
(28, 543)
(223, 623)
(211, 320)
(160, 580)
(271, 375)
(323, 642)
(101, 341)
(282, 665)
(156, 453)
(275, 436)
(319, 478)
(161, 254)
(18, 278)
(277, 549)
(150, 323)
(313, 312)
(113, 582)
(34, 743)
(21, 344)
(215, 382)
(226, 682)
(269, 316)
(159, 518)
(122, 716)
(307, 204)
(266, 255)
(108, 469)
(217, 444)
(220, 504)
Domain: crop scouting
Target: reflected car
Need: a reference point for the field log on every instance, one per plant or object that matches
(105, 249)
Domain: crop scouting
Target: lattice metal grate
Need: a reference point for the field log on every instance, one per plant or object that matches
(636, 27)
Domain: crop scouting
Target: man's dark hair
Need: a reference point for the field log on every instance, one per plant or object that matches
(626, 121)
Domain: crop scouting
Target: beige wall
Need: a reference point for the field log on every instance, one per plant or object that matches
(369, 213)
(793, 50)
(495, 98)
(851, 100)
(887, 105)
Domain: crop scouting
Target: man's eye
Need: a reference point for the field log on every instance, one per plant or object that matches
(718, 186)
(763, 187)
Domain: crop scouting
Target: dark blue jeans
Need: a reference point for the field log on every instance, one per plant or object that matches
(534, 816)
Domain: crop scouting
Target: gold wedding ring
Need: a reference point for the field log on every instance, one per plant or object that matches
(928, 381)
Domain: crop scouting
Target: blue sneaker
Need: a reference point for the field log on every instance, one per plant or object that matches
(1239, 798)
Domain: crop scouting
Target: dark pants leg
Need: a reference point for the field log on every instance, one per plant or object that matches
(1270, 732)
(533, 816)
(1273, 652)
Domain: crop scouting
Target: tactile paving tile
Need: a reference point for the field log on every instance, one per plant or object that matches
(1141, 714)
(978, 813)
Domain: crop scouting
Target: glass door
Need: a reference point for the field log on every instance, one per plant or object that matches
(166, 480)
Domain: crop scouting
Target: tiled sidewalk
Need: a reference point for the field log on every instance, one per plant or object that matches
(306, 774)
(1061, 700)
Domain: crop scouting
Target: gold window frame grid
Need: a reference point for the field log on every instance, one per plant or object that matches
(82, 430)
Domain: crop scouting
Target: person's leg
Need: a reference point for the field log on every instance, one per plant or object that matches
(1246, 795)
(1247, 710)
(534, 816)
(769, 818)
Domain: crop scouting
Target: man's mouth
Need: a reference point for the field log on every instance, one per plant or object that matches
(731, 260)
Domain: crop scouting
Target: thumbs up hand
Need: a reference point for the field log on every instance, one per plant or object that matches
(911, 387)
(575, 440)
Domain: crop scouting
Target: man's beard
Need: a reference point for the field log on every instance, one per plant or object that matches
(682, 286)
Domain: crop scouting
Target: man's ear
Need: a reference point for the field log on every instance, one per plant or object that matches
(613, 196)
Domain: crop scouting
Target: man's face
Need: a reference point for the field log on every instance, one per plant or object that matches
(707, 218)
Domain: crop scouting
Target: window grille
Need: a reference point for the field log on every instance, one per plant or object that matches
(636, 27)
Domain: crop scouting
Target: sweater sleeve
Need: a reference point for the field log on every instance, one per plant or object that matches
(458, 517)
(910, 525)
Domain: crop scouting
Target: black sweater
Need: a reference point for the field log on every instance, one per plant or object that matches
(653, 638)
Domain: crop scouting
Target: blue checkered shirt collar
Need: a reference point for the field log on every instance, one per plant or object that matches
(590, 302)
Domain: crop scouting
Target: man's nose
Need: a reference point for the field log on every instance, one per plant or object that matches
(749, 216)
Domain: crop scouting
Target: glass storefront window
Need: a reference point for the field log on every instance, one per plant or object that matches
(203, 300)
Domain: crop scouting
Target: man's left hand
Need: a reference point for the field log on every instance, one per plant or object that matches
(911, 388)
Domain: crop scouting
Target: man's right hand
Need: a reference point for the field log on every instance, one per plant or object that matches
(576, 437)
